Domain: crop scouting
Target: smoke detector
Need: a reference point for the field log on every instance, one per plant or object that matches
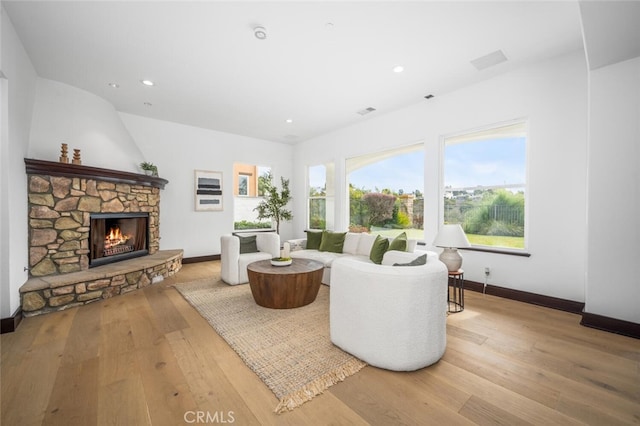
(260, 33)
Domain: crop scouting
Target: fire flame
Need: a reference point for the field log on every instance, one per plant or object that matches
(115, 238)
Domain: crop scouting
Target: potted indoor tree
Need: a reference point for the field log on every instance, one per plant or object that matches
(273, 204)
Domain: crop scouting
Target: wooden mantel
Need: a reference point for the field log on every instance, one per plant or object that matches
(52, 168)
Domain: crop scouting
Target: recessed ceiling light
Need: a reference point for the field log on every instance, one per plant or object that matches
(289, 120)
(114, 85)
(148, 104)
(398, 68)
(328, 25)
(147, 82)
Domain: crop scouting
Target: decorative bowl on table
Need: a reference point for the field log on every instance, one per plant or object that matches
(281, 261)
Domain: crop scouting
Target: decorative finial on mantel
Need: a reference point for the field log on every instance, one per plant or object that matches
(76, 157)
(63, 153)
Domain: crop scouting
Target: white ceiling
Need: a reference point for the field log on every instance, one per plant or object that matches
(611, 31)
(321, 63)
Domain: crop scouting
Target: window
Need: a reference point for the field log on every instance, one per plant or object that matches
(386, 192)
(485, 184)
(247, 195)
(320, 196)
(243, 184)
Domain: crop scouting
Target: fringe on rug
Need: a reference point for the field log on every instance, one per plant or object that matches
(318, 386)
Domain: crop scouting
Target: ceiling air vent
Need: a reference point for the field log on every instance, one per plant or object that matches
(486, 61)
(366, 111)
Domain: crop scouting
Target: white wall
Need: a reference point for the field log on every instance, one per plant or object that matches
(614, 192)
(244, 208)
(178, 151)
(552, 96)
(64, 113)
(44, 113)
(18, 92)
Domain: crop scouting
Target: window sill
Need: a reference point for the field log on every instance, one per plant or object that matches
(490, 250)
(498, 251)
(245, 231)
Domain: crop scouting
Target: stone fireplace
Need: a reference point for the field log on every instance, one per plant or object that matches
(72, 211)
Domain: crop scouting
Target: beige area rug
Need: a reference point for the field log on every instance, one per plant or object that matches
(289, 349)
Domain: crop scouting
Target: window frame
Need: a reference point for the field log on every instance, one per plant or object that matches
(245, 178)
(371, 158)
(329, 167)
(468, 134)
(238, 175)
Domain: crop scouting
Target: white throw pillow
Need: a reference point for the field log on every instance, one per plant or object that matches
(351, 243)
(365, 244)
(411, 245)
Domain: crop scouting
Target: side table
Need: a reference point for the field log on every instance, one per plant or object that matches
(455, 291)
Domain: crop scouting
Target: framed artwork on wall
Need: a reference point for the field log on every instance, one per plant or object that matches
(208, 190)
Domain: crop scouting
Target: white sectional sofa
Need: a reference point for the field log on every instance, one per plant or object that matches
(357, 246)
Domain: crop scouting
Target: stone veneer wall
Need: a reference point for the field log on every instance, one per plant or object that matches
(59, 218)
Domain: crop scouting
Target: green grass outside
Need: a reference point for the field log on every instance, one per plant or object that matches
(474, 239)
(496, 241)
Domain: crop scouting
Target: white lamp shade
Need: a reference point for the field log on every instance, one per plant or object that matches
(451, 236)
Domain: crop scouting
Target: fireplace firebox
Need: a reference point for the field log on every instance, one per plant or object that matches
(117, 236)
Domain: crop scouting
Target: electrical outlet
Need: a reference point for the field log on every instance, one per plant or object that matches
(487, 271)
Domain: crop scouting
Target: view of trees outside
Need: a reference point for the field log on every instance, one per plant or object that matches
(489, 217)
(484, 176)
(245, 216)
(317, 197)
(385, 196)
(386, 212)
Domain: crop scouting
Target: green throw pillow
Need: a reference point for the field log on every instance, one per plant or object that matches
(399, 243)
(313, 240)
(332, 241)
(378, 249)
(248, 244)
(420, 260)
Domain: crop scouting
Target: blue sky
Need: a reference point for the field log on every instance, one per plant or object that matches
(490, 162)
(316, 176)
(404, 172)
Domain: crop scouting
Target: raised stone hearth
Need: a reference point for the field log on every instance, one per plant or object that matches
(52, 293)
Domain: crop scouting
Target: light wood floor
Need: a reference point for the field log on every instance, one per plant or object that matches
(149, 358)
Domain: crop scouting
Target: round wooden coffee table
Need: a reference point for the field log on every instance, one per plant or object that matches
(284, 287)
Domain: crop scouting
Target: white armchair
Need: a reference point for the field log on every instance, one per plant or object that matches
(234, 264)
(392, 317)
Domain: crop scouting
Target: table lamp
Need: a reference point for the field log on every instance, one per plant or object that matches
(451, 238)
